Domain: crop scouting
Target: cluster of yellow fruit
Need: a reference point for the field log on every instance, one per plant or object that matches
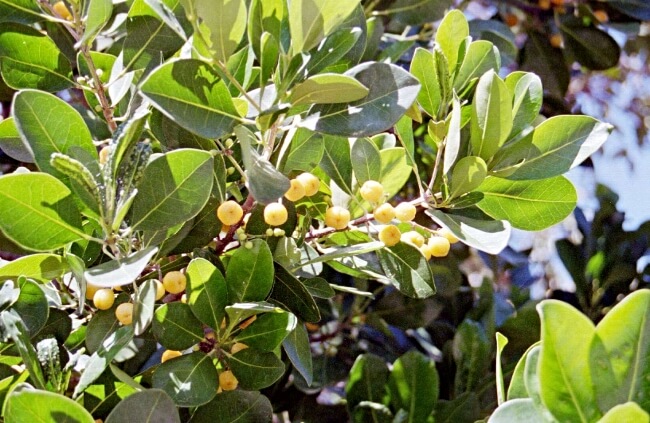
(438, 245)
(103, 298)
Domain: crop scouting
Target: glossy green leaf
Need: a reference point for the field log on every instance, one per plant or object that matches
(451, 33)
(467, 175)
(268, 331)
(517, 388)
(255, 369)
(491, 115)
(175, 327)
(481, 57)
(199, 102)
(190, 380)
(57, 326)
(627, 412)
(145, 298)
(532, 382)
(239, 312)
(58, 131)
(392, 91)
(21, 11)
(174, 189)
(152, 405)
(101, 326)
(537, 55)
(335, 51)
(417, 12)
(31, 305)
(223, 23)
(452, 140)
(528, 205)
(311, 21)
(625, 333)
(235, 407)
(366, 161)
(528, 95)
(249, 276)
(14, 329)
(51, 407)
(207, 294)
(407, 270)
(166, 14)
(297, 347)
(293, 296)
(98, 13)
(40, 267)
(413, 385)
(368, 377)
(464, 408)
(502, 341)
(265, 16)
(592, 47)
(30, 59)
(367, 411)
(305, 151)
(475, 230)
(120, 272)
(517, 410)
(318, 287)
(327, 88)
(336, 162)
(470, 350)
(423, 67)
(564, 362)
(11, 144)
(395, 170)
(49, 216)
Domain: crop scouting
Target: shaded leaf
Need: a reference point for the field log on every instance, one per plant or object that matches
(368, 377)
(235, 407)
(51, 407)
(40, 267)
(120, 272)
(407, 270)
(207, 294)
(413, 385)
(588, 45)
(249, 275)
(190, 380)
(255, 369)
(296, 345)
(292, 295)
(175, 327)
(152, 405)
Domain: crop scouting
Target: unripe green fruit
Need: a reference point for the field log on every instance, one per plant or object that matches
(337, 217)
(275, 214)
(104, 298)
(384, 213)
(405, 212)
(174, 282)
(390, 235)
(372, 191)
(230, 212)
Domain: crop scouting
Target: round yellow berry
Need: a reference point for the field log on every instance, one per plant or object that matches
(90, 291)
(390, 235)
(124, 313)
(103, 154)
(413, 237)
(439, 246)
(556, 40)
(169, 354)
(405, 212)
(372, 191)
(228, 381)
(310, 182)
(230, 212)
(238, 346)
(104, 298)
(296, 191)
(275, 214)
(337, 217)
(160, 290)
(426, 251)
(384, 213)
(601, 16)
(61, 9)
(174, 282)
(444, 232)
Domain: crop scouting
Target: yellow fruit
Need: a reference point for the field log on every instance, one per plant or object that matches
(601, 16)
(230, 212)
(296, 191)
(444, 232)
(310, 182)
(174, 282)
(510, 19)
(544, 4)
(439, 246)
(372, 191)
(124, 313)
(169, 354)
(405, 212)
(228, 381)
(275, 214)
(556, 40)
(104, 298)
(384, 213)
(337, 217)
(426, 251)
(390, 235)
(238, 346)
(90, 291)
(160, 290)
(61, 9)
(103, 154)
(413, 237)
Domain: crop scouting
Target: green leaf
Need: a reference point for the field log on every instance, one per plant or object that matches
(328, 88)
(470, 350)
(556, 146)
(340, 47)
(98, 13)
(532, 382)
(174, 189)
(517, 388)
(120, 272)
(40, 267)
(207, 294)
(268, 331)
(564, 363)
(235, 407)
(452, 32)
(417, 12)
(464, 408)
(239, 312)
(502, 341)
(19, 407)
(539, 56)
(311, 21)
(467, 175)
(152, 405)
(293, 296)
(49, 216)
(194, 100)
(305, 151)
(175, 327)
(423, 67)
(628, 346)
(517, 410)
(477, 231)
(297, 347)
(21, 11)
(223, 23)
(627, 412)
(395, 170)
(166, 14)
(591, 47)
(255, 369)
(30, 59)
(145, 298)
(318, 287)
(31, 305)
(481, 57)
(336, 162)
(452, 140)
(367, 411)
(13, 328)
(190, 380)
(491, 121)
(528, 96)
(528, 205)
(367, 381)
(59, 131)
(407, 270)
(249, 276)
(334, 253)
(366, 160)
(11, 144)
(392, 92)
(265, 16)
(413, 385)
(204, 227)
(638, 9)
